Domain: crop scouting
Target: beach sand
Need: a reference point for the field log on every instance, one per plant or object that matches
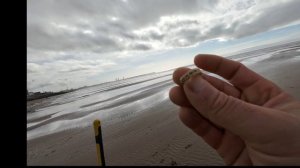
(153, 137)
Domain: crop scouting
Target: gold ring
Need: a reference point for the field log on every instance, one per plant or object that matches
(190, 74)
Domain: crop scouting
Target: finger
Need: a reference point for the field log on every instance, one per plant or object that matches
(178, 73)
(228, 145)
(222, 86)
(255, 88)
(235, 72)
(226, 111)
(243, 159)
(218, 83)
(202, 127)
(177, 96)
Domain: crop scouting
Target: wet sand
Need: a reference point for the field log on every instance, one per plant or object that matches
(152, 137)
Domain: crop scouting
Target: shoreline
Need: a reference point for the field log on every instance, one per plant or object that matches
(154, 136)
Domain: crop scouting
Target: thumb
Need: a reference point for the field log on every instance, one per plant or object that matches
(226, 111)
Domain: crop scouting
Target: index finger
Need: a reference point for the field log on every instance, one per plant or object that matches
(235, 72)
(254, 88)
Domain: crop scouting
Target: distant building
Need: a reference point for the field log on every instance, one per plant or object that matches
(30, 93)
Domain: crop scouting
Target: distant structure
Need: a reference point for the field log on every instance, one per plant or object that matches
(117, 79)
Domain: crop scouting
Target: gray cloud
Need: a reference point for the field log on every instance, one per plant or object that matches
(107, 26)
(141, 47)
(60, 25)
(271, 17)
(61, 31)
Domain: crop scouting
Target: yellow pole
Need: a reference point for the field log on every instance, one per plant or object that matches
(99, 143)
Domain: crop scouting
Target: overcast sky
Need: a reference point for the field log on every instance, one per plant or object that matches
(73, 43)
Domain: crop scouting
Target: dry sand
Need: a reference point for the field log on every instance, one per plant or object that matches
(153, 137)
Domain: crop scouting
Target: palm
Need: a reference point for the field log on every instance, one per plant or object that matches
(250, 148)
(242, 152)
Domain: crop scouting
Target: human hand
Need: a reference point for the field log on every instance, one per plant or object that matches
(248, 121)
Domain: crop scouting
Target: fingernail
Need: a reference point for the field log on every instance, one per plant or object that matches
(195, 84)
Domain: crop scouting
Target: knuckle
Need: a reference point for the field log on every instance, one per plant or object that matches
(220, 105)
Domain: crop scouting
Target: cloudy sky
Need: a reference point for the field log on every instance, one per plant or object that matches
(73, 43)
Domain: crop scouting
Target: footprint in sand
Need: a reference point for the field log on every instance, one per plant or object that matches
(154, 154)
(173, 163)
(188, 146)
